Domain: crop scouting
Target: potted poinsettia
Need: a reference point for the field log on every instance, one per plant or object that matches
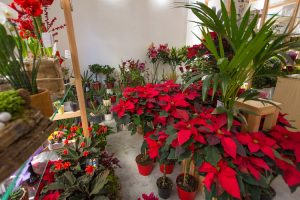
(144, 163)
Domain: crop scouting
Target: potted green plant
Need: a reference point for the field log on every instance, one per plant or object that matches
(12, 67)
(86, 80)
(107, 113)
(106, 99)
(96, 114)
(144, 163)
(96, 69)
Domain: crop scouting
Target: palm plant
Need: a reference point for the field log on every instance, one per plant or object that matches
(250, 51)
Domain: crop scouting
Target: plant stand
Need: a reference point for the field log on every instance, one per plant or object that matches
(260, 109)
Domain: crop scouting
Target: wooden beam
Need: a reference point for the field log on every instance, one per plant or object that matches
(294, 16)
(228, 5)
(264, 13)
(67, 115)
(66, 5)
(285, 3)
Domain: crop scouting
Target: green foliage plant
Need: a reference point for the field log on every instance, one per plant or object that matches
(11, 102)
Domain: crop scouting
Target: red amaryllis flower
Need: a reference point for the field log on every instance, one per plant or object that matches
(58, 165)
(287, 140)
(32, 7)
(223, 175)
(258, 141)
(187, 129)
(122, 107)
(65, 152)
(67, 165)
(291, 175)
(73, 129)
(89, 169)
(82, 145)
(193, 51)
(251, 165)
(86, 153)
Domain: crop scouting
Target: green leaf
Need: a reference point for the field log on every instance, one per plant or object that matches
(170, 130)
(170, 139)
(172, 155)
(53, 186)
(69, 177)
(99, 182)
(198, 159)
(212, 155)
(185, 155)
(206, 86)
(163, 113)
(277, 155)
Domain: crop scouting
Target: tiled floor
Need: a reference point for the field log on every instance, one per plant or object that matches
(126, 147)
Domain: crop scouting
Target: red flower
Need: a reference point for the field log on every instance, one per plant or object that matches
(122, 107)
(258, 141)
(66, 142)
(82, 145)
(187, 129)
(66, 152)
(67, 165)
(291, 175)
(52, 196)
(287, 140)
(223, 175)
(153, 147)
(193, 51)
(85, 153)
(89, 169)
(58, 165)
(31, 7)
(73, 129)
(47, 2)
(251, 165)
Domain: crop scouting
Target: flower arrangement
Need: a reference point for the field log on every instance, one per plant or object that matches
(157, 55)
(31, 25)
(235, 164)
(56, 137)
(132, 73)
(84, 164)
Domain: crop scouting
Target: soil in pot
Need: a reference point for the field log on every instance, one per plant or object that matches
(186, 191)
(169, 165)
(164, 185)
(145, 166)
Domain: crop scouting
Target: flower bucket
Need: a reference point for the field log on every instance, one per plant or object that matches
(182, 194)
(169, 168)
(108, 117)
(146, 168)
(106, 102)
(42, 102)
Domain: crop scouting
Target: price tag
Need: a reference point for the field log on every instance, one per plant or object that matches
(67, 54)
(47, 40)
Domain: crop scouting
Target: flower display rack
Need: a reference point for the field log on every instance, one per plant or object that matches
(21, 138)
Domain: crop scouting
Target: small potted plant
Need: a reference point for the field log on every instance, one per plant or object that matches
(187, 184)
(106, 99)
(86, 80)
(56, 140)
(110, 82)
(60, 108)
(164, 184)
(96, 69)
(167, 166)
(113, 98)
(144, 163)
(107, 113)
(96, 114)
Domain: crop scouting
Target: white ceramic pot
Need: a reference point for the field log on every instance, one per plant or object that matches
(109, 91)
(108, 117)
(106, 102)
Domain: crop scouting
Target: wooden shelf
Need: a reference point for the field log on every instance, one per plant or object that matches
(66, 115)
(20, 139)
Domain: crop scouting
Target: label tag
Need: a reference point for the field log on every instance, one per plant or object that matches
(67, 54)
(54, 49)
(47, 40)
(220, 104)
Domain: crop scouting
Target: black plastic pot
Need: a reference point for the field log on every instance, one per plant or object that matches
(164, 191)
(73, 106)
(97, 119)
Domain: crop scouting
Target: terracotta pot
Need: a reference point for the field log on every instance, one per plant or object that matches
(169, 168)
(184, 195)
(145, 169)
(110, 85)
(42, 102)
(113, 99)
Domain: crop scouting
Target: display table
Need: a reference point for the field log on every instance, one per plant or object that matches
(287, 92)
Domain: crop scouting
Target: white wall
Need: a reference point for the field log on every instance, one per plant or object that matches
(110, 30)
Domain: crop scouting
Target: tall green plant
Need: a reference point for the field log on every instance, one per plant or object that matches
(12, 65)
(250, 51)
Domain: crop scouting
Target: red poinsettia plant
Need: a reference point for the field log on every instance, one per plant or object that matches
(235, 164)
